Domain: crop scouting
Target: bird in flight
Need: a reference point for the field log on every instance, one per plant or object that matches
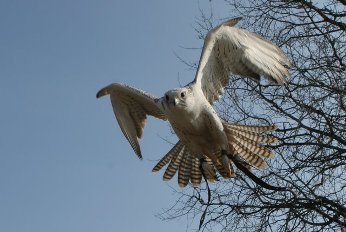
(207, 144)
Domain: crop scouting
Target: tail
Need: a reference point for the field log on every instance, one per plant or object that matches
(248, 143)
(189, 167)
(244, 142)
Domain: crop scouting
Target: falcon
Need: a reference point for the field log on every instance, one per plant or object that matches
(207, 144)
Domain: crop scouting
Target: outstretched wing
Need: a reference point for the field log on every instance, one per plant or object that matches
(229, 50)
(131, 107)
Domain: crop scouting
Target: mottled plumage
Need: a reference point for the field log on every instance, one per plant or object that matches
(207, 144)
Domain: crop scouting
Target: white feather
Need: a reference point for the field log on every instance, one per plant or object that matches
(130, 107)
(228, 50)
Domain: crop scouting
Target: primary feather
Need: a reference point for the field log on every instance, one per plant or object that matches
(131, 106)
(207, 144)
(229, 50)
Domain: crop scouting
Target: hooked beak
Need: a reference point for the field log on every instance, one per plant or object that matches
(175, 101)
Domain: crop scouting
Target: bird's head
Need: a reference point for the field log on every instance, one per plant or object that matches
(178, 99)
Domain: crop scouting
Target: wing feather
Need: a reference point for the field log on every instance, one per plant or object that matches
(131, 107)
(229, 50)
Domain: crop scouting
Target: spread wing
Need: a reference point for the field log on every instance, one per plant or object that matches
(131, 107)
(229, 50)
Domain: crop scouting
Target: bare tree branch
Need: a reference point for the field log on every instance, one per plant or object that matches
(311, 114)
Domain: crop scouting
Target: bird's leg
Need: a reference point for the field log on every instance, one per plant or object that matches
(226, 164)
(207, 170)
(224, 157)
(240, 164)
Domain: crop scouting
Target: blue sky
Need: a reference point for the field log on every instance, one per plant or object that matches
(64, 164)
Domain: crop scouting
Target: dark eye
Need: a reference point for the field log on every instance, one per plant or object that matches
(182, 94)
(167, 98)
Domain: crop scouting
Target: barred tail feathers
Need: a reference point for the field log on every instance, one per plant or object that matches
(188, 167)
(250, 128)
(243, 141)
(172, 153)
(196, 174)
(173, 165)
(247, 143)
(185, 169)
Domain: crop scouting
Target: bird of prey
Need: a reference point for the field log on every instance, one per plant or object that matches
(207, 144)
